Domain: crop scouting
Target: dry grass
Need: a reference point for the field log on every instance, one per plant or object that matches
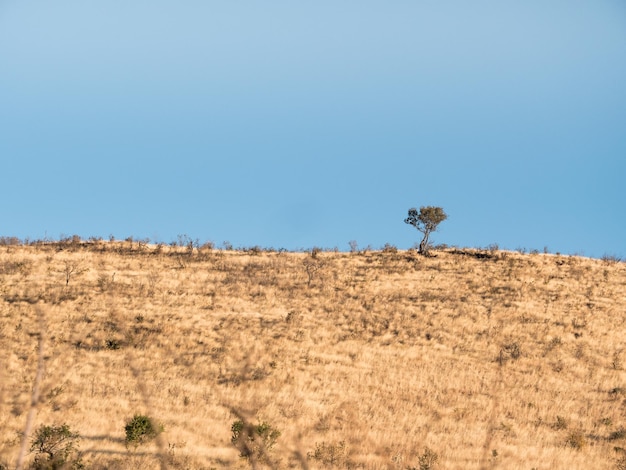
(467, 359)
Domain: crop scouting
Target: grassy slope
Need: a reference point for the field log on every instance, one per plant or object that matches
(489, 359)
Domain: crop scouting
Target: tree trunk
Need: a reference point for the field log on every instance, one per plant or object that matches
(423, 249)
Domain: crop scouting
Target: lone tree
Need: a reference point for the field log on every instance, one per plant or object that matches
(426, 221)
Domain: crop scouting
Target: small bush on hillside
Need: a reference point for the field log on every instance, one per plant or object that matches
(560, 423)
(511, 350)
(427, 460)
(313, 267)
(253, 250)
(112, 344)
(141, 429)
(576, 440)
(611, 259)
(10, 241)
(23, 267)
(619, 434)
(54, 446)
(207, 246)
(253, 442)
(389, 248)
(329, 454)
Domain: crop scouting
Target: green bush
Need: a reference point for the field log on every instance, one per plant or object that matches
(253, 442)
(54, 446)
(141, 429)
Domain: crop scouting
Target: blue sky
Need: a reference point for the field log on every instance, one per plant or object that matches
(298, 124)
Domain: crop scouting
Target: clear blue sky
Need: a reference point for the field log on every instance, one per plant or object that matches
(298, 124)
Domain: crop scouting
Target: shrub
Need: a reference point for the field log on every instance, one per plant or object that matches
(427, 460)
(254, 250)
(23, 267)
(312, 266)
(576, 440)
(112, 344)
(253, 442)
(512, 350)
(207, 246)
(141, 429)
(560, 423)
(389, 248)
(54, 446)
(10, 241)
(611, 259)
(329, 454)
(619, 434)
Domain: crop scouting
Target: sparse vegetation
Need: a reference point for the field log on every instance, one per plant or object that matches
(618, 434)
(427, 460)
(576, 440)
(330, 454)
(473, 358)
(560, 423)
(71, 268)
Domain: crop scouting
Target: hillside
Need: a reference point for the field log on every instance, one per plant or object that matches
(379, 360)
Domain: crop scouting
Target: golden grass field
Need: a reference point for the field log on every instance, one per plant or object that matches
(467, 359)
